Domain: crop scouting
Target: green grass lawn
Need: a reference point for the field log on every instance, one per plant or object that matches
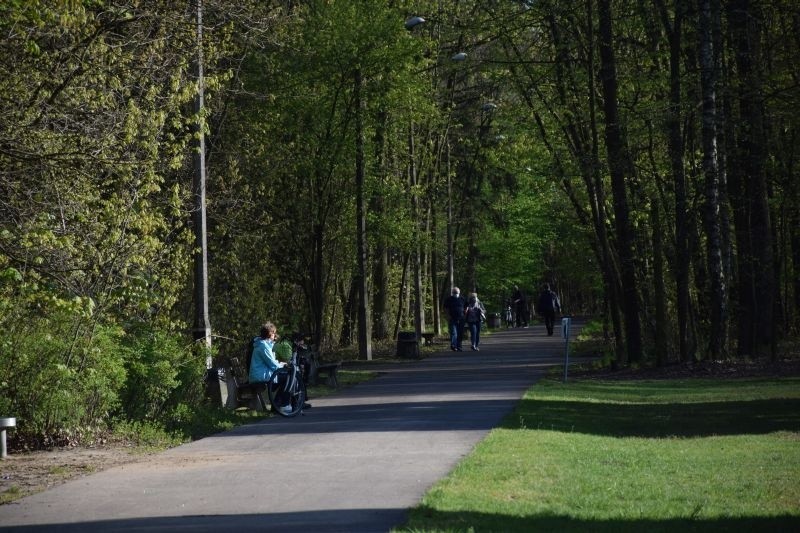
(671, 455)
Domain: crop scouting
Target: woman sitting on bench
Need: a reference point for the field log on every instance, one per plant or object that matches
(263, 363)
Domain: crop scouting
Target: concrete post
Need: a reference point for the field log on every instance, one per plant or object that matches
(5, 423)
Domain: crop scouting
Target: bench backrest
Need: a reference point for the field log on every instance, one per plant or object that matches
(239, 372)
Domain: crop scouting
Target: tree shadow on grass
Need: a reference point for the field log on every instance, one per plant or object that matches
(426, 519)
(659, 420)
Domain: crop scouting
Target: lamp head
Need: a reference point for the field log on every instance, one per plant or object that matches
(413, 22)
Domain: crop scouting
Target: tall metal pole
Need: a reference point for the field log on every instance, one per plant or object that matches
(202, 325)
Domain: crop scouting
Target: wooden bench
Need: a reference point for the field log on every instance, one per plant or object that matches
(428, 338)
(329, 370)
(247, 394)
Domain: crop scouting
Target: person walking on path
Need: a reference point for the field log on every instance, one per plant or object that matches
(546, 306)
(454, 306)
(521, 306)
(475, 314)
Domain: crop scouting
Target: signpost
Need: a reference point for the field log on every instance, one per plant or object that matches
(565, 325)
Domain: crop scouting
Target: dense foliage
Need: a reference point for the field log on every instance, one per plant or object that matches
(639, 156)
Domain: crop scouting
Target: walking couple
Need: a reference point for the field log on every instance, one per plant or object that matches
(460, 312)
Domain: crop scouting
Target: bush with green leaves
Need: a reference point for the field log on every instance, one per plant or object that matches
(162, 373)
(62, 371)
(66, 374)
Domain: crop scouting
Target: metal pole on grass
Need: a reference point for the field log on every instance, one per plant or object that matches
(565, 324)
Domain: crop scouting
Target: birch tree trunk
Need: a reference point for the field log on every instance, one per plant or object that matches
(717, 342)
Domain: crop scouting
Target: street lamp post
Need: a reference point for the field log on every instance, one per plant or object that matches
(202, 325)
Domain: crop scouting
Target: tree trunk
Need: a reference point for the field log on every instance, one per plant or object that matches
(594, 182)
(380, 264)
(675, 143)
(349, 315)
(617, 161)
(413, 178)
(758, 290)
(364, 334)
(401, 299)
(434, 285)
(450, 239)
(660, 335)
(434, 254)
(795, 265)
(717, 342)
(317, 282)
(380, 303)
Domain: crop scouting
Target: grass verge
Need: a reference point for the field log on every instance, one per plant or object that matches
(697, 455)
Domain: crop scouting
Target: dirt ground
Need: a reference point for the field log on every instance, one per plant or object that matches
(27, 473)
(31, 472)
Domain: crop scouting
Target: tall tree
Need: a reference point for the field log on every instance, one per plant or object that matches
(364, 318)
(673, 28)
(618, 163)
(717, 342)
(756, 285)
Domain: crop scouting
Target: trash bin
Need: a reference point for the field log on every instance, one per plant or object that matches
(493, 320)
(407, 344)
(217, 385)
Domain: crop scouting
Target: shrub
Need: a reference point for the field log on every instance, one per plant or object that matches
(162, 372)
(62, 371)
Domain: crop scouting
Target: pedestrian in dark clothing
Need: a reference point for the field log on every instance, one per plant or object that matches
(547, 305)
(454, 306)
(521, 307)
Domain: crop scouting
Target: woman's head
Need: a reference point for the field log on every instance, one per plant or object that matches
(267, 330)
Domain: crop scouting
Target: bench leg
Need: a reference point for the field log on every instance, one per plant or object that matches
(333, 380)
(258, 403)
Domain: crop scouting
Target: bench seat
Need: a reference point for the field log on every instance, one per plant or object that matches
(247, 394)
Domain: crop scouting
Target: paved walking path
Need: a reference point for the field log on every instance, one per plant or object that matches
(355, 462)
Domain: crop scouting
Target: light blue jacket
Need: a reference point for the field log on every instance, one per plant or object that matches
(263, 363)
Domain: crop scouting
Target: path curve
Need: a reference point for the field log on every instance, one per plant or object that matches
(356, 462)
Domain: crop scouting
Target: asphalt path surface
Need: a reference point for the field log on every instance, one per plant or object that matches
(355, 462)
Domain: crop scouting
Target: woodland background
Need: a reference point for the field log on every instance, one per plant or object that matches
(639, 155)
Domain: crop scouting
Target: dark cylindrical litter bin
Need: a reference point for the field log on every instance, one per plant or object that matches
(493, 320)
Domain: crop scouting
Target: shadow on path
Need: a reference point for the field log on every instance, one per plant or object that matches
(355, 462)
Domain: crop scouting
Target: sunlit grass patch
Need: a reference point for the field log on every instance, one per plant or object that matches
(635, 456)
